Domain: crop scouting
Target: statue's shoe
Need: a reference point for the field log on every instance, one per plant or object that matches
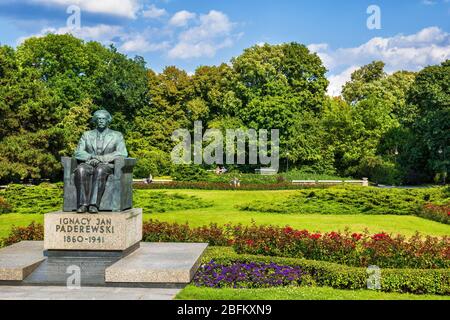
(93, 209)
(82, 209)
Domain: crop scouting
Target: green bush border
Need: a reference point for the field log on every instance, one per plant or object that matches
(416, 281)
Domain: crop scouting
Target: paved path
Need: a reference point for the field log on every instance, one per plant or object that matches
(85, 293)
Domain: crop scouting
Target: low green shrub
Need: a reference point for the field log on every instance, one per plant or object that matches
(152, 202)
(416, 281)
(41, 199)
(351, 200)
(189, 173)
(180, 185)
(47, 197)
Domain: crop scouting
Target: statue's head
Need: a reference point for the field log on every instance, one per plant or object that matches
(102, 119)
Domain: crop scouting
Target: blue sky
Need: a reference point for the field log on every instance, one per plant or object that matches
(189, 33)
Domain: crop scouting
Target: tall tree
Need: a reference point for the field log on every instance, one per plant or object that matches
(430, 96)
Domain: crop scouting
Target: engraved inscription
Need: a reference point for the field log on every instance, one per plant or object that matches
(89, 230)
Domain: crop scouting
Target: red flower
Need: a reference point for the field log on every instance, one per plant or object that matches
(250, 242)
(315, 236)
(301, 234)
(357, 236)
(333, 235)
(288, 230)
(380, 236)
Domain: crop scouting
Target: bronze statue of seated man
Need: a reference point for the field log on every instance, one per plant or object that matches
(96, 151)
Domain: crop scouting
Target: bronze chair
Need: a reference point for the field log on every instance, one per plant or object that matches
(119, 186)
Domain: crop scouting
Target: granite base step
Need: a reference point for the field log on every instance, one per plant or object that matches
(145, 265)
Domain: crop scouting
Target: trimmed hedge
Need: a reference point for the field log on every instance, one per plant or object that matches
(352, 200)
(416, 281)
(41, 199)
(224, 186)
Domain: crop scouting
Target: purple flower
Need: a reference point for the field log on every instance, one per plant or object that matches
(247, 275)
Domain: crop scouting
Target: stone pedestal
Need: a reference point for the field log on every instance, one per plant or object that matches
(103, 249)
(106, 231)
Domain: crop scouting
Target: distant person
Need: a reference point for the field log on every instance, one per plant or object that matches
(236, 182)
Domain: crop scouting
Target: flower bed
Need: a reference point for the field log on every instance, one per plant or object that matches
(157, 231)
(5, 207)
(321, 273)
(439, 213)
(351, 249)
(247, 275)
(242, 270)
(33, 232)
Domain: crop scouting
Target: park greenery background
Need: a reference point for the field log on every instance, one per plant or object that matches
(390, 128)
(292, 241)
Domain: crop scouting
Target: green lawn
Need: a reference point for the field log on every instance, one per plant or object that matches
(224, 211)
(296, 293)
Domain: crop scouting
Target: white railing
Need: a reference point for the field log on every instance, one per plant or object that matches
(266, 171)
(364, 182)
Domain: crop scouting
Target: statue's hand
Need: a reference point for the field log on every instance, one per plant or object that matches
(93, 162)
(99, 158)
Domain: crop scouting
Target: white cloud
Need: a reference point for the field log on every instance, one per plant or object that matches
(123, 8)
(338, 81)
(139, 43)
(102, 33)
(109, 34)
(200, 35)
(153, 12)
(212, 33)
(182, 18)
(411, 52)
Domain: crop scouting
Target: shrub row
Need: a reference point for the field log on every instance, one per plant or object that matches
(157, 231)
(352, 200)
(48, 197)
(320, 273)
(43, 198)
(223, 186)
